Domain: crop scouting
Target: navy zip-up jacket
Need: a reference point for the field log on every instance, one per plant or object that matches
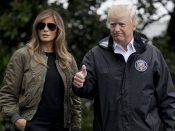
(132, 96)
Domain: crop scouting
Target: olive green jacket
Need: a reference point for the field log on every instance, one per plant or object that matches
(23, 84)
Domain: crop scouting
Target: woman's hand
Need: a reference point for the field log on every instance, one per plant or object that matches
(20, 124)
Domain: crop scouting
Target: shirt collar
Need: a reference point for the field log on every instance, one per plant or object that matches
(130, 46)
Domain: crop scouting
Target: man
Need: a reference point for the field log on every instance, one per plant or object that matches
(127, 78)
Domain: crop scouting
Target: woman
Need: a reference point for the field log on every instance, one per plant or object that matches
(36, 91)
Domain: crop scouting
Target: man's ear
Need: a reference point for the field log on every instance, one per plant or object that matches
(134, 27)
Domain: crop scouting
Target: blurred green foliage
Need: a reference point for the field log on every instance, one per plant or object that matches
(83, 30)
(87, 115)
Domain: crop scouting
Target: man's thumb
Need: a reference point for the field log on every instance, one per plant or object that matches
(83, 69)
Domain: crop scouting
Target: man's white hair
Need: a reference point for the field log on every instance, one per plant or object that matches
(122, 7)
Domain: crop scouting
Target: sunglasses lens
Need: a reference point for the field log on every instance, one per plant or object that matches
(40, 26)
(51, 26)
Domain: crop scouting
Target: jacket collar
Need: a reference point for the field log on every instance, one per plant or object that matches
(140, 42)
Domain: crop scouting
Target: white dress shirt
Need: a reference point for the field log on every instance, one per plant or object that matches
(118, 49)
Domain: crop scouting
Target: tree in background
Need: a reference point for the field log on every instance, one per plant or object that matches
(83, 28)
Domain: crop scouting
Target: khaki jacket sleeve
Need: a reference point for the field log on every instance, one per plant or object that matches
(9, 92)
(76, 109)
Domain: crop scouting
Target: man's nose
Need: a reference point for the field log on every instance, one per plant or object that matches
(117, 27)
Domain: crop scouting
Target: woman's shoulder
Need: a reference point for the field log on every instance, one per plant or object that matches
(21, 53)
(22, 50)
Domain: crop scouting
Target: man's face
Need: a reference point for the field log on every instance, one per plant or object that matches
(121, 29)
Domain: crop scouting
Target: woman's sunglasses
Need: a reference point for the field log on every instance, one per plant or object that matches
(51, 26)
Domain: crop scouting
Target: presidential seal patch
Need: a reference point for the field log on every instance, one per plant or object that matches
(141, 65)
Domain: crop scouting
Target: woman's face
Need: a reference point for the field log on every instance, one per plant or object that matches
(47, 30)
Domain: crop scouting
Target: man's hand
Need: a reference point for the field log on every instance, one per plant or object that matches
(20, 124)
(80, 77)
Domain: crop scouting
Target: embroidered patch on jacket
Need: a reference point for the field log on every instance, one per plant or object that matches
(141, 65)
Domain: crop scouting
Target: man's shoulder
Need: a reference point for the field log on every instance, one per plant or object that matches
(153, 47)
(101, 45)
(104, 42)
(93, 49)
